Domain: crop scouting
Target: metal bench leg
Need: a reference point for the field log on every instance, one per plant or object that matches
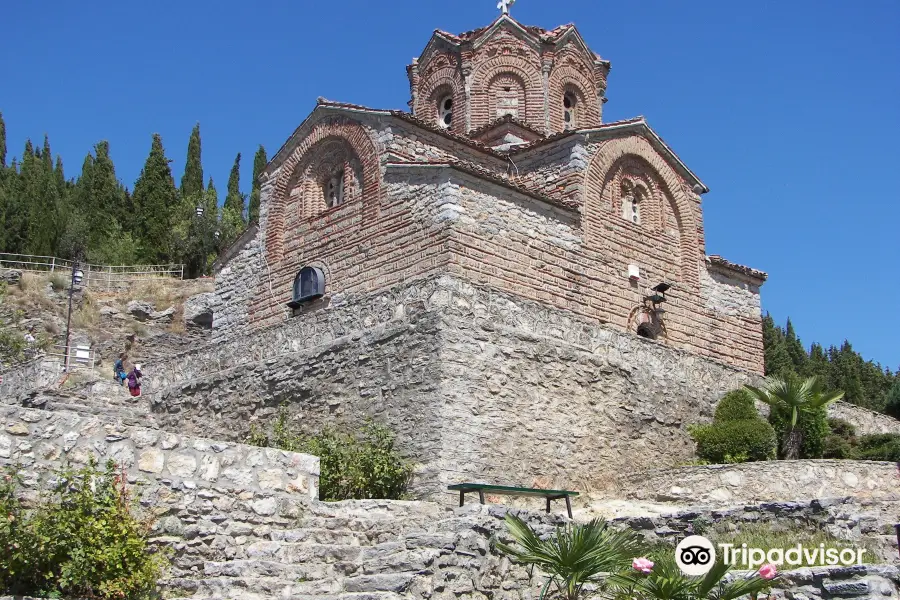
(568, 506)
(462, 497)
(481, 496)
(548, 505)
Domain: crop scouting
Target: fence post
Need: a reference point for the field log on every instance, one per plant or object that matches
(52, 264)
(109, 279)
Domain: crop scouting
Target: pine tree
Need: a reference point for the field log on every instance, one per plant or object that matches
(192, 180)
(234, 201)
(16, 217)
(211, 201)
(2, 142)
(777, 359)
(795, 348)
(155, 200)
(259, 165)
(31, 190)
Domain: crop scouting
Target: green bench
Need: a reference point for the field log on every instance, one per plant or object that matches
(481, 488)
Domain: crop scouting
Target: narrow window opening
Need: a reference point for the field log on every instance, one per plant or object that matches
(445, 112)
(569, 107)
(334, 189)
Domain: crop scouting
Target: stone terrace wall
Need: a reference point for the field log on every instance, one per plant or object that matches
(235, 284)
(40, 441)
(866, 421)
(467, 378)
(768, 481)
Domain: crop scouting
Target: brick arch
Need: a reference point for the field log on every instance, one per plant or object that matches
(312, 172)
(565, 78)
(606, 162)
(506, 64)
(366, 152)
(433, 87)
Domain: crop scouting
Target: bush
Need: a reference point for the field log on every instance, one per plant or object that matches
(837, 447)
(843, 429)
(81, 540)
(59, 282)
(737, 405)
(881, 446)
(813, 425)
(735, 441)
(353, 465)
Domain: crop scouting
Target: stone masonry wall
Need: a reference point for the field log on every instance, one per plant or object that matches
(39, 441)
(24, 378)
(467, 377)
(768, 481)
(866, 421)
(401, 229)
(235, 284)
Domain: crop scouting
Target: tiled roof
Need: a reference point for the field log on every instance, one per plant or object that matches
(502, 121)
(718, 261)
(569, 132)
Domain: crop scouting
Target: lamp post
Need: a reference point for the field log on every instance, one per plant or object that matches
(199, 210)
(77, 276)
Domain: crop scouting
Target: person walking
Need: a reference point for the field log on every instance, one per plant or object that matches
(119, 372)
(134, 381)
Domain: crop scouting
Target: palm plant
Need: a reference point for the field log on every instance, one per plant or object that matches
(794, 396)
(667, 582)
(575, 555)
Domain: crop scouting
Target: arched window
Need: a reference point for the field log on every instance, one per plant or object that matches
(334, 189)
(570, 108)
(309, 284)
(445, 112)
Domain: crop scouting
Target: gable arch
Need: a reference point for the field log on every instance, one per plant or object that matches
(443, 77)
(598, 176)
(563, 79)
(366, 152)
(510, 65)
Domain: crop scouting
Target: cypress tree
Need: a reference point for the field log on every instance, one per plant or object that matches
(155, 199)
(2, 142)
(795, 348)
(234, 201)
(16, 217)
(192, 180)
(259, 165)
(211, 201)
(777, 359)
(31, 190)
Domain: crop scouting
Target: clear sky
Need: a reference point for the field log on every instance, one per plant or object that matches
(788, 110)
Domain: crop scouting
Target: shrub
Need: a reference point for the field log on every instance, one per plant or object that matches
(812, 424)
(354, 465)
(880, 446)
(59, 282)
(81, 540)
(843, 429)
(736, 405)
(837, 447)
(892, 405)
(735, 441)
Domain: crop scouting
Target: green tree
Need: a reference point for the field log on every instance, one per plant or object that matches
(192, 180)
(31, 190)
(795, 349)
(233, 210)
(794, 396)
(259, 165)
(892, 406)
(777, 358)
(155, 200)
(2, 142)
(16, 213)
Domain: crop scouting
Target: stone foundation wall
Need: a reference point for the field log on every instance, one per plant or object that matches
(41, 441)
(466, 377)
(769, 481)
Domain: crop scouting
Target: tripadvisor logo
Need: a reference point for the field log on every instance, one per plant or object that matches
(696, 555)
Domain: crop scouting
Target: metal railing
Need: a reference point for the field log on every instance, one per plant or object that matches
(94, 275)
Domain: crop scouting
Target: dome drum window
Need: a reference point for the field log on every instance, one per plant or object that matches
(308, 285)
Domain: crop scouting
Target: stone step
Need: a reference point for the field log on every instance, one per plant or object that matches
(265, 568)
(322, 535)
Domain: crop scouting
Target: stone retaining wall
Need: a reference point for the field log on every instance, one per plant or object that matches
(40, 441)
(765, 482)
(866, 421)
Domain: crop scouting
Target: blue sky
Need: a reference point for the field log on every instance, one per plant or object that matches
(789, 111)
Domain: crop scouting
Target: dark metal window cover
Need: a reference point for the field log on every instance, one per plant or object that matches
(308, 285)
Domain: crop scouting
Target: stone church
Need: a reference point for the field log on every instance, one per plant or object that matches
(518, 288)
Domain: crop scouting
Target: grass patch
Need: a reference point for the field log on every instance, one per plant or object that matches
(88, 314)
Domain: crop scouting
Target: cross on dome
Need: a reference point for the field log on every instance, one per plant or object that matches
(504, 5)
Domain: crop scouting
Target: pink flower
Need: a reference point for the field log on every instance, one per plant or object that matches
(768, 571)
(642, 564)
